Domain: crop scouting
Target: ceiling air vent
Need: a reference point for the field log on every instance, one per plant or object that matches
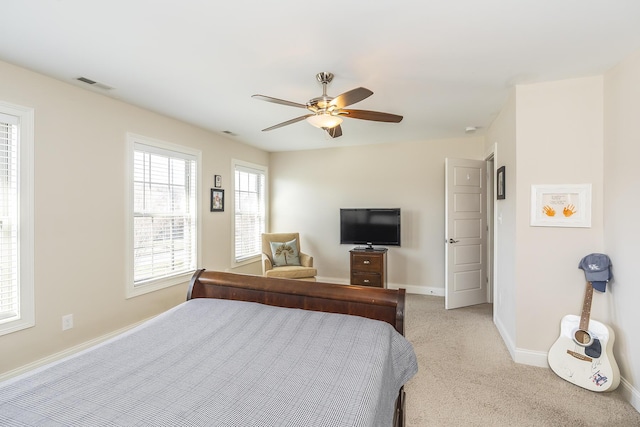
(94, 83)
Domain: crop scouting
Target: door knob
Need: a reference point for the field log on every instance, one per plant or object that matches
(453, 241)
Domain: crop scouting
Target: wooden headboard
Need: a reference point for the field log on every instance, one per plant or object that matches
(374, 303)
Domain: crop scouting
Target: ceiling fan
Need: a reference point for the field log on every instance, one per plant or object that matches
(327, 112)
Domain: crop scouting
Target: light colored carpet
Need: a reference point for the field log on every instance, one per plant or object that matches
(466, 377)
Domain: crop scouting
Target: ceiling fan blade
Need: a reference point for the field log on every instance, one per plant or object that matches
(351, 97)
(288, 122)
(334, 132)
(375, 116)
(278, 101)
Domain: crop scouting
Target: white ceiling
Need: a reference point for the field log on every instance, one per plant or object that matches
(444, 65)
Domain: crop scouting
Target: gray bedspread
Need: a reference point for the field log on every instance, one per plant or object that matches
(210, 362)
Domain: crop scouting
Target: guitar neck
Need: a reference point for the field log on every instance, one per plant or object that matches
(586, 307)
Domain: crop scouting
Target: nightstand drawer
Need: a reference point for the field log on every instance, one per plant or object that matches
(364, 262)
(366, 279)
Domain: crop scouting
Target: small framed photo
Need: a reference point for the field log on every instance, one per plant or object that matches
(217, 181)
(500, 184)
(561, 205)
(217, 200)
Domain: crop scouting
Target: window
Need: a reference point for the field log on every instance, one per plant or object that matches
(249, 210)
(16, 218)
(164, 243)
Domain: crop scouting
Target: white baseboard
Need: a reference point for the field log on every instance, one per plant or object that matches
(65, 353)
(419, 290)
(630, 394)
(338, 280)
(508, 342)
(411, 289)
(530, 357)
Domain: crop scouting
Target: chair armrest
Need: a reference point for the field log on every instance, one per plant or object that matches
(306, 260)
(266, 263)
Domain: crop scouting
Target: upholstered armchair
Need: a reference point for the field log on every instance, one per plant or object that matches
(281, 257)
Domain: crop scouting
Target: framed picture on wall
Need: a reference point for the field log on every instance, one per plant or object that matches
(217, 200)
(500, 184)
(217, 181)
(561, 205)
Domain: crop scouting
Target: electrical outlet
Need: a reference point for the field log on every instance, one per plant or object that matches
(67, 322)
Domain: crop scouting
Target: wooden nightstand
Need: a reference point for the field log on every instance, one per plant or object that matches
(369, 267)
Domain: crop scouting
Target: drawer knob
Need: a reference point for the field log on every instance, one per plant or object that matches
(366, 280)
(366, 261)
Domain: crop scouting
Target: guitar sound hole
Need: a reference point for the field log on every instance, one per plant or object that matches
(582, 337)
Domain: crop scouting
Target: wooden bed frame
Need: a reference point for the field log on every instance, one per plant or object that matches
(374, 303)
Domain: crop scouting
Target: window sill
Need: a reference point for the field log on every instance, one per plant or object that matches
(158, 284)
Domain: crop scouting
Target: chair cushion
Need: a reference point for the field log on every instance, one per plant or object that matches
(285, 254)
(292, 272)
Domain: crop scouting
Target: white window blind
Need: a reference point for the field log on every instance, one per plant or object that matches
(9, 287)
(16, 218)
(250, 211)
(164, 213)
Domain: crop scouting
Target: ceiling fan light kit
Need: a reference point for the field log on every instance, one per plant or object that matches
(326, 111)
(324, 121)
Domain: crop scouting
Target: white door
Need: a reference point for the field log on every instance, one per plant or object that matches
(465, 228)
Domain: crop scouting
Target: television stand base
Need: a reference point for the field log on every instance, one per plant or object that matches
(369, 249)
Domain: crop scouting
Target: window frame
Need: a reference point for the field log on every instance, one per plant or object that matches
(235, 163)
(25, 237)
(132, 289)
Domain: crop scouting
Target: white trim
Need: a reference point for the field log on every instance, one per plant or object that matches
(630, 394)
(26, 215)
(67, 352)
(411, 289)
(154, 285)
(508, 342)
(531, 357)
(418, 290)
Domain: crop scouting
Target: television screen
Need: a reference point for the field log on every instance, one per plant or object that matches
(370, 226)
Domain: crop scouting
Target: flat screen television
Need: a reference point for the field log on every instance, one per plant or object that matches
(370, 226)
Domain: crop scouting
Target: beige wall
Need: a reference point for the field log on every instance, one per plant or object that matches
(308, 188)
(80, 143)
(559, 141)
(621, 205)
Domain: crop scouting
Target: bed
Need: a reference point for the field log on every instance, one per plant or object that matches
(241, 351)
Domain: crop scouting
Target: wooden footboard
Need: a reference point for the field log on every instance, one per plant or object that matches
(374, 303)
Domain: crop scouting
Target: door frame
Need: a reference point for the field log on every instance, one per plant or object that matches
(490, 249)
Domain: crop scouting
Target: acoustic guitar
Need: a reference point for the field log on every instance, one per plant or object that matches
(583, 353)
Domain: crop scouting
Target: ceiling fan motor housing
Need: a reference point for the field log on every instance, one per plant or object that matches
(321, 104)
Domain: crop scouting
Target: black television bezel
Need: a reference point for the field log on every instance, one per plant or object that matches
(370, 244)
